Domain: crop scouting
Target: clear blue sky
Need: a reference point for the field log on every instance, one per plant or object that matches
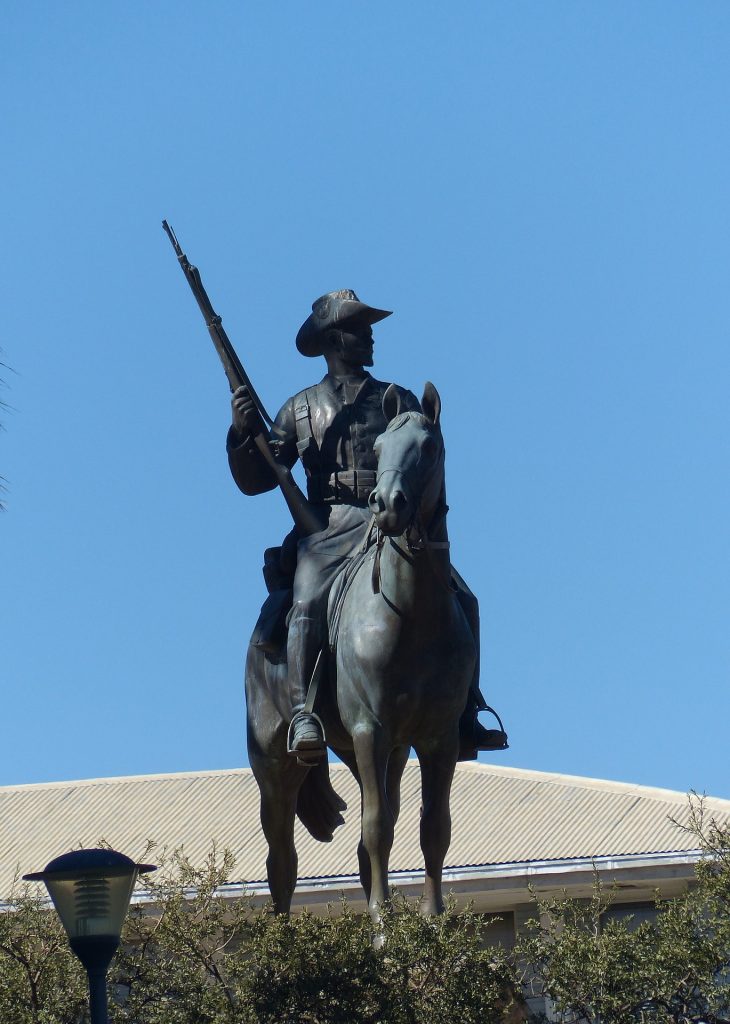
(539, 190)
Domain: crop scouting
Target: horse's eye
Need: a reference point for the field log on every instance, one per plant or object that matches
(429, 448)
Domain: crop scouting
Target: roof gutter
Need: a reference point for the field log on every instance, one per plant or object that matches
(493, 883)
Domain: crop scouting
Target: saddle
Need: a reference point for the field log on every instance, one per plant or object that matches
(270, 632)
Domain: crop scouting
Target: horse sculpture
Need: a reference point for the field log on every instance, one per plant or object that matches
(398, 670)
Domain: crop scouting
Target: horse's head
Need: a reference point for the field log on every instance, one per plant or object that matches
(410, 463)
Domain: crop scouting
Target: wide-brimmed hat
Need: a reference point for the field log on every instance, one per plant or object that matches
(338, 311)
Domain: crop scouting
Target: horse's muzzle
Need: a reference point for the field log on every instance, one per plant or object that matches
(391, 508)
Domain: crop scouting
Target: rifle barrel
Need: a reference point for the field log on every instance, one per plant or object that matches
(231, 363)
(171, 235)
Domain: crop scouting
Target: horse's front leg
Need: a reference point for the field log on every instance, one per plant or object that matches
(437, 772)
(396, 766)
(378, 822)
(363, 859)
(278, 808)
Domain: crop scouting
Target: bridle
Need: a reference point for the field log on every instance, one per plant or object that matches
(416, 534)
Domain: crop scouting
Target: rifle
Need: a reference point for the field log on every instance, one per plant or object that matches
(302, 511)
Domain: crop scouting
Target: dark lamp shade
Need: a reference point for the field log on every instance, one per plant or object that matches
(91, 890)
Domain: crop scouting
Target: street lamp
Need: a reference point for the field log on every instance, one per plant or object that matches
(91, 890)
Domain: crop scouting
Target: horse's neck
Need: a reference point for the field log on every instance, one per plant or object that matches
(417, 576)
(434, 523)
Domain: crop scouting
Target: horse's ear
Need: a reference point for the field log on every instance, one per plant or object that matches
(391, 402)
(431, 403)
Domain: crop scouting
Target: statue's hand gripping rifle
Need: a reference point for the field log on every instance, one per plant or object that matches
(303, 513)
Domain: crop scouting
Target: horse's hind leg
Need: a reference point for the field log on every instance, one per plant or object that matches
(378, 821)
(278, 807)
(437, 771)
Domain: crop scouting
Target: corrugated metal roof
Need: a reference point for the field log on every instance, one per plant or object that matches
(500, 815)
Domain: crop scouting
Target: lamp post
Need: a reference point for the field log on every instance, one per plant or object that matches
(91, 890)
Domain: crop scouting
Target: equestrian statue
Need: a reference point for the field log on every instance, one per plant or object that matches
(368, 642)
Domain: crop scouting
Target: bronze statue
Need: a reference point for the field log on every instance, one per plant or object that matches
(369, 639)
(382, 633)
(332, 427)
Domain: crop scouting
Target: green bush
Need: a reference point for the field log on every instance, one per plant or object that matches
(191, 957)
(41, 981)
(673, 969)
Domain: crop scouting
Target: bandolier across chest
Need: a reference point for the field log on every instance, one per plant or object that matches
(336, 424)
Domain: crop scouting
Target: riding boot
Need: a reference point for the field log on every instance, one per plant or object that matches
(473, 737)
(305, 739)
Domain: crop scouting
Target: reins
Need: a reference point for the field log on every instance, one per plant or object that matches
(422, 542)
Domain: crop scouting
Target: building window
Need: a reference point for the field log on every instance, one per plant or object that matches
(500, 929)
(633, 914)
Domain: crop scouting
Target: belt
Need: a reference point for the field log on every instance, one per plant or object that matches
(345, 486)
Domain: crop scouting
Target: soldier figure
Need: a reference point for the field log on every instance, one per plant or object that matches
(332, 427)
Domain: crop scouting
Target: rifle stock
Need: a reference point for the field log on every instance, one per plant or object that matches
(304, 514)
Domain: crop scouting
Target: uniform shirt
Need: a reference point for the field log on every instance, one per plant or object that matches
(332, 426)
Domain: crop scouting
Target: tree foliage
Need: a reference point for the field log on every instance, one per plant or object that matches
(190, 956)
(178, 962)
(675, 968)
(41, 981)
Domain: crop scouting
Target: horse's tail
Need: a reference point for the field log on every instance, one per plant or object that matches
(319, 807)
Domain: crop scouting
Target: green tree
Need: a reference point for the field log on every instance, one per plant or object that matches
(440, 969)
(180, 961)
(190, 957)
(673, 969)
(423, 970)
(312, 969)
(41, 981)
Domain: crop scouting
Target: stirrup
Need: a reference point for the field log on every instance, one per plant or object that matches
(495, 739)
(489, 739)
(306, 757)
(492, 712)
